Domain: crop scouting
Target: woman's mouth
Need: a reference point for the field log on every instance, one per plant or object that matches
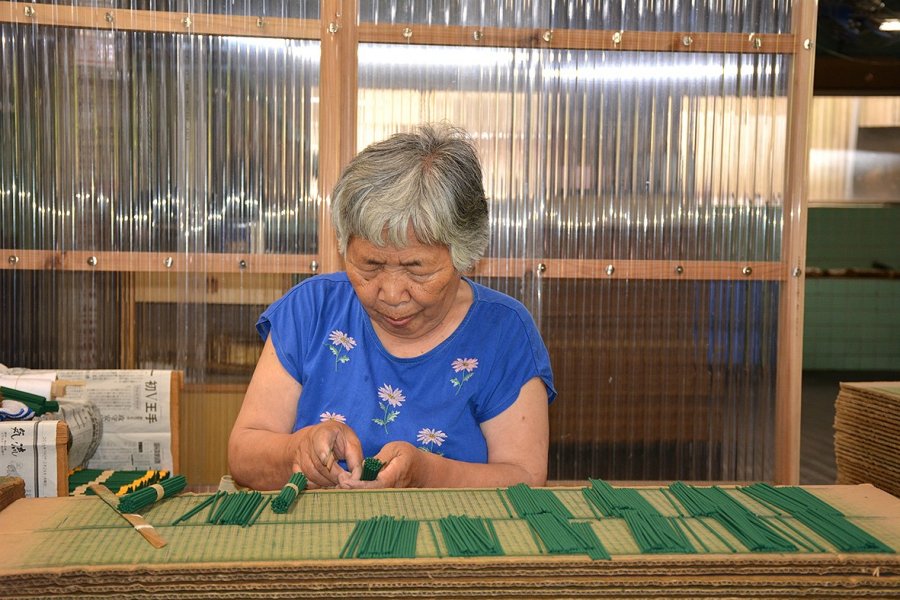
(397, 322)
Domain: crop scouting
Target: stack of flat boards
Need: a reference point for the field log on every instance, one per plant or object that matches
(867, 434)
(11, 489)
(77, 546)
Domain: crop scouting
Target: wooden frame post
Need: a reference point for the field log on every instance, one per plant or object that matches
(793, 254)
(338, 76)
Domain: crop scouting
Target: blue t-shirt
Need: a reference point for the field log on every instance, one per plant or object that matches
(325, 340)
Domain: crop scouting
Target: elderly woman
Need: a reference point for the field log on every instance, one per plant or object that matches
(402, 358)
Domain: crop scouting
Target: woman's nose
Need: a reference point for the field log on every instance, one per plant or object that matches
(394, 289)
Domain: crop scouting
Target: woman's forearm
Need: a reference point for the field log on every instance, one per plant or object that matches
(260, 459)
(434, 471)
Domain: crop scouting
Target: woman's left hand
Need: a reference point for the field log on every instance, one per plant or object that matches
(401, 463)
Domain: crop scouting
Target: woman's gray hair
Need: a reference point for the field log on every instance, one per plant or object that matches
(430, 178)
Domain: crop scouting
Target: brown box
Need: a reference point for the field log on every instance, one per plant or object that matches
(11, 489)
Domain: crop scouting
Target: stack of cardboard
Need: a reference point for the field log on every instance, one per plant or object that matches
(79, 546)
(867, 434)
(11, 489)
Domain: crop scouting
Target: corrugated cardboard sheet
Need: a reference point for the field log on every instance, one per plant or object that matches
(79, 546)
(867, 434)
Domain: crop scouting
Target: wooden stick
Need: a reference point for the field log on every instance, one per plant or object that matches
(136, 521)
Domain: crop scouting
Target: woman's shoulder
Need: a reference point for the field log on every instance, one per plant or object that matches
(313, 294)
(318, 285)
(498, 311)
(498, 301)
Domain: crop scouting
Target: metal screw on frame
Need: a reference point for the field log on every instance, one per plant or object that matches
(617, 38)
(187, 22)
(333, 28)
(541, 268)
(757, 43)
(747, 271)
(110, 18)
(260, 23)
(610, 270)
(687, 40)
(807, 44)
(477, 35)
(242, 264)
(407, 32)
(92, 261)
(168, 262)
(13, 259)
(29, 11)
(679, 270)
(797, 272)
(314, 266)
(548, 36)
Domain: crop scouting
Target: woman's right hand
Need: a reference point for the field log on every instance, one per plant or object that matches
(316, 450)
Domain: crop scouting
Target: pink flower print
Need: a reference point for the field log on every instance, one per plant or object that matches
(340, 341)
(391, 397)
(332, 416)
(430, 438)
(463, 364)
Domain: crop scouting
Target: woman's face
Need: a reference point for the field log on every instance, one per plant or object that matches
(407, 292)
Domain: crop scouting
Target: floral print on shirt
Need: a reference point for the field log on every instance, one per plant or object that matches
(391, 398)
(463, 364)
(332, 416)
(340, 341)
(431, 438)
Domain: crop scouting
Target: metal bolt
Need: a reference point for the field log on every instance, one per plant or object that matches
(617, 38)
(333, 28)
(477, 35)
(797, 272)
(747, 271)
(259, 22)
(242, 264)
(29, 11)
(13, 259)
(679, 270)
(110, 18)
(314, 266)
(687, 40)
(807, 44)
(610, 270)
(187, 22)
(168, 262)
(92, 261)
(757, 43)
(541, 268)
(548, 36)
(407, 32)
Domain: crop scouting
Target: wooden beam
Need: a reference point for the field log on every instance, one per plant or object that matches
(154, 262)
(338, 83)
(790, 311)
(577, 39)
(550, 268)
(113, 19)
(570, 268)
(445, 35)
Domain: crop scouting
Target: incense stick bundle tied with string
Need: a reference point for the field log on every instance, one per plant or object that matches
(136, 501)
(296, 484)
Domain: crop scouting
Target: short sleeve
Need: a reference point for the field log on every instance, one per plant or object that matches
(283, 322)
(519, 356)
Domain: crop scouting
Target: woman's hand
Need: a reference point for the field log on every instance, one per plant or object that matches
(316, 450)
(402, 462)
